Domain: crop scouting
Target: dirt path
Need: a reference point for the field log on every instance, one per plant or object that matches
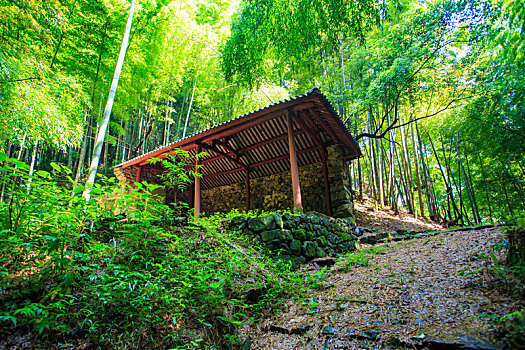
(411, 292)
(388, 219)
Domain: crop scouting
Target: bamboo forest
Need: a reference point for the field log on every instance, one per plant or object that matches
(262, 174)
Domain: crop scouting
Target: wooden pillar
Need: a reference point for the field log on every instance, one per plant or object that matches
(247, 190)
(328, 200)
(296, 186)
(139, 173)
(197, 197)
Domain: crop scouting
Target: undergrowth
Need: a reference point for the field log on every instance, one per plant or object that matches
(361, 257)
(118, 273)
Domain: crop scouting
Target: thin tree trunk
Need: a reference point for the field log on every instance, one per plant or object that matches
(507, 198)
(32, 166)
(418, 178)
(402, 177)
(485, 186)
(107, 112)
(182, 110)
(189, 108)
(471, 183)
(461, 170)
(408, 174)
(447, 183)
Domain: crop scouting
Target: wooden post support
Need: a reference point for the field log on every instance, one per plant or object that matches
(197, 197)
(328, 200)
(247, 190)
(139, 173)
(296, 186)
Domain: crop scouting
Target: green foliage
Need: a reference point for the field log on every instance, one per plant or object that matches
(361, 257)
(176, 176)
(508, 277)
(290, 32)
(116, 269)
(511, 327)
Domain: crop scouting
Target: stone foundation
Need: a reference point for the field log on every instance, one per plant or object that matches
(274, 192)
(304, 237)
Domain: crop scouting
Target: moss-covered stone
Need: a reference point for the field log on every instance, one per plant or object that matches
(295, 246)
(310, 249)
(300, 233)
(267, 222)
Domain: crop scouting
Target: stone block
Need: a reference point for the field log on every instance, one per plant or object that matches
(300, 233)
(310, 249)
(295, 246)
(268, 222)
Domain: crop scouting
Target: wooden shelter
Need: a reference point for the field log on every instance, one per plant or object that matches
(281, 137)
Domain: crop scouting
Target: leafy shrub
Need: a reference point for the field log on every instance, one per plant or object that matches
(132, 277)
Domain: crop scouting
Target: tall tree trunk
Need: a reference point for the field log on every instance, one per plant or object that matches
(82, 154)
(408, 170)
(471, 183)
(189, 108)
(32, 166)
(418, 178)
(107, 112)
(485, 186)
(448, 187)
(507, 197)
(179, 119)
(461, 170)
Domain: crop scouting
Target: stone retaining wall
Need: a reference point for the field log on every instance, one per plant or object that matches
(273, 192)
(304, 236)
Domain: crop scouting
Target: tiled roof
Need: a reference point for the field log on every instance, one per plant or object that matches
(258, 140)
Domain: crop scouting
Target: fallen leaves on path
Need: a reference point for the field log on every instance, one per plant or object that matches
(411, 293)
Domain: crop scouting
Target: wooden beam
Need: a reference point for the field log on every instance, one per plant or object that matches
(264, 162)
(305, 105)
(139, 173)
(244, 126)
(230, 150)
(324, 125)
(219, 152)
(296, 186)
(309, 131)
(197, 197)
(244, 150)
(267, 142)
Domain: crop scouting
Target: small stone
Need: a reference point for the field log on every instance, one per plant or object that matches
(322, 262)
(369, 334)
(330, 330)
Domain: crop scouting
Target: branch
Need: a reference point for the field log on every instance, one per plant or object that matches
(374, 135)
(18, 80)
(392, 125)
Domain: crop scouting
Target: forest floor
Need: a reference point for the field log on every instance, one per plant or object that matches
(436, 292)
(387, 220)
